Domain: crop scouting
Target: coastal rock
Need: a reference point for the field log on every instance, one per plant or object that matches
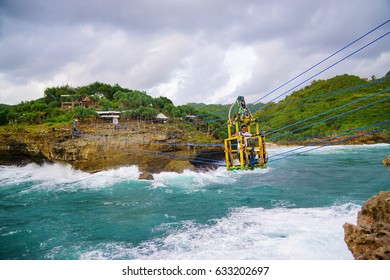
(370, 238)
(386, 162)
(146, 176)
(179, 166)
(101, 147)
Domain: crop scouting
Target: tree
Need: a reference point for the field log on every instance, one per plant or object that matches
(54, 93)
(168, 108)
(105, 90)
(4, 111)
(84, 114)
(105, 104)
(187, 110)
(146, 112)
(160, 102)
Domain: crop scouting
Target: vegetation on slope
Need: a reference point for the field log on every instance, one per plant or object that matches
(133, 104)
(328, 108)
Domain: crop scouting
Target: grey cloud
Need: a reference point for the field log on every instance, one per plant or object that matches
(181, 44)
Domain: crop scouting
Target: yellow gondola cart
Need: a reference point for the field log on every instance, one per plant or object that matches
(243, 152)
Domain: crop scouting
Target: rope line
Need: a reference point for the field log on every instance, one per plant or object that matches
(272, 158)
(333, 117)
(325, 59)
(327, 68)
(330, 144)
(333, 138)
(341, 91)
(331, 110)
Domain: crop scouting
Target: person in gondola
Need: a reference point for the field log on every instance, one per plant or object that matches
(246, 135)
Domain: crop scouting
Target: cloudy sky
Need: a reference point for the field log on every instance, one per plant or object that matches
(187, 50)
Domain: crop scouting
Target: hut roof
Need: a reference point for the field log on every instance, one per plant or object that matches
(161, 116)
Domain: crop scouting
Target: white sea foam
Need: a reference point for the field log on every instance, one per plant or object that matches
(283, 232)
(247, 233)
(194, 181)
(10, 233)
(256, 233)
(285, 151)
(63, 176)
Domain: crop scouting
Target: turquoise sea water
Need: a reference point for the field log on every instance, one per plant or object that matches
(294, 209)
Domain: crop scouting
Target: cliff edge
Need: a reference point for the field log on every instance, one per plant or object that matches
(370, 238)
(153, 148)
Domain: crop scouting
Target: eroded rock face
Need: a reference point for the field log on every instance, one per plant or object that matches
(100, 148)
(370, 238)
(146, 176)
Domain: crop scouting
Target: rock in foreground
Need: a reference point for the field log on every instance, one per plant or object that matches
(370, 238)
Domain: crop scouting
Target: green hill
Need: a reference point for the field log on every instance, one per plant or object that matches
(326, 108)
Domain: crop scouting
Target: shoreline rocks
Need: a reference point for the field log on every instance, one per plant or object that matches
(153, 147)
(101, 148)
(370, 238)
(386, 162)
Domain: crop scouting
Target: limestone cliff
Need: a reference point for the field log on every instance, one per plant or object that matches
(154, 148)
(370, 238)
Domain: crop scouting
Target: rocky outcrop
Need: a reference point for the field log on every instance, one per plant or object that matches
(146, 176)
(386, 162)
(370, 238)
(153, 149)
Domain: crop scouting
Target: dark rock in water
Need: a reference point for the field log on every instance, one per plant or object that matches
(146, 176)
(370, 238)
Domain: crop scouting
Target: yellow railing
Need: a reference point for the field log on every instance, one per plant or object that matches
(245, 152)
